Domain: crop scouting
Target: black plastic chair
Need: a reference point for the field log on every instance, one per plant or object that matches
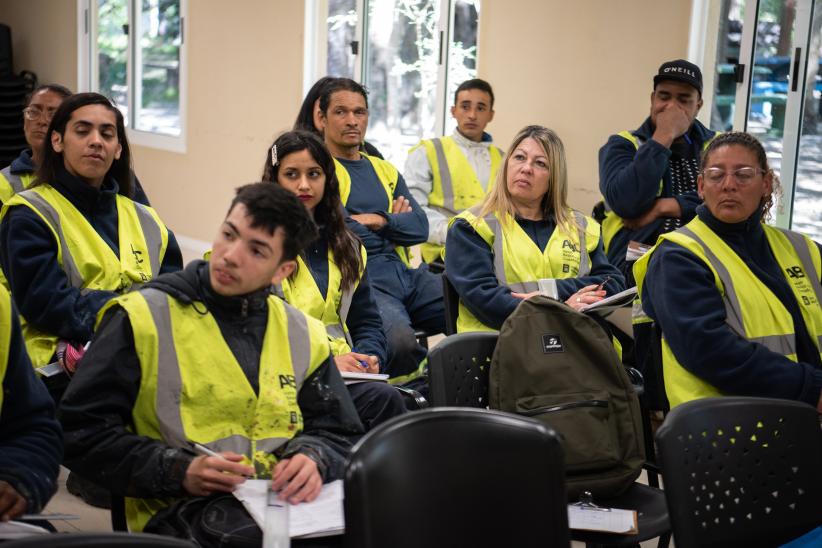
(741, 471)
(456, 477)
(451, 300)
(103, 540)
(458, 370)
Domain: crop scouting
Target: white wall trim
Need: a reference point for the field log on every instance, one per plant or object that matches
(192, 248)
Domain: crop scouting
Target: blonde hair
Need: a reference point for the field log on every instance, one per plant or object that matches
(555, 201)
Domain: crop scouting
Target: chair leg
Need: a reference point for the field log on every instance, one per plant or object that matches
(664, 540)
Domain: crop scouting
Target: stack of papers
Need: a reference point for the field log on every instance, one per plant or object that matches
(322, 517)
(351, 377)
(609, 304)
(10, 530)
(608, 520)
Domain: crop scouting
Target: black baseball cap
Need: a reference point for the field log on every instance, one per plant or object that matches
(680, 71)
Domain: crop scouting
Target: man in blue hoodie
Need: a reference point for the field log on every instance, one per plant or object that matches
(648, 176)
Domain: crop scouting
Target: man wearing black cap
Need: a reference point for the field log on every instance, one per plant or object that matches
(648, 176)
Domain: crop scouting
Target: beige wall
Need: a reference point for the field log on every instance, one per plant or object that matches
(583, 68)
(44, 38)
(244, 87)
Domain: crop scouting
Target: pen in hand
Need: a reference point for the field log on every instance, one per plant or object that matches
(602, 283)
(205, 451)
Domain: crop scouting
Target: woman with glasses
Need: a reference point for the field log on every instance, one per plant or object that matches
(41, 105)
(737, 300)
(524, 240)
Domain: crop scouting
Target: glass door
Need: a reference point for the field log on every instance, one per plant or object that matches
(773, 102)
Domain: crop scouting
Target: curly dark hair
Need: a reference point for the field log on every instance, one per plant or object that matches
(751, 143)
(344, 245)
(271, 207)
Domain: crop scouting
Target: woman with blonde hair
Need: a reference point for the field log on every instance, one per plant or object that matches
(525, 240)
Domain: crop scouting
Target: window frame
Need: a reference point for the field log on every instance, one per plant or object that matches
(316, 40)
(87, 73)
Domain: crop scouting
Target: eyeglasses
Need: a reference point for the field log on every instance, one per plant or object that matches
(32, 113)
(742, 176)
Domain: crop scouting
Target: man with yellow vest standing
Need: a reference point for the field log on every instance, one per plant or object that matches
(208, 356)
(648, 176)
(450, 174)
(387, 219)
(737, 300)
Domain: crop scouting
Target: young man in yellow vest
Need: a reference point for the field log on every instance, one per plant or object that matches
(387, 219)
(208, 356)
(450, 174)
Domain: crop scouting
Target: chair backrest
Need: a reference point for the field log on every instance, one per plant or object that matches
(103, 540)
(456, 477)
(451, 301)
(741, 471)
(458, 370)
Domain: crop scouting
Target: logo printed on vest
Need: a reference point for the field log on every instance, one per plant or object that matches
(568, 244)
(551, 343)
(288, 380)
(566, 267)
(795, 272)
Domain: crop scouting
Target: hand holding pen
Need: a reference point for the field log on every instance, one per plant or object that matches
(213, 471)
(357, 363)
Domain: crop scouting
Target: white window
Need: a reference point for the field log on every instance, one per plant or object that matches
(133, 51)
(764, 61)
(410, 54)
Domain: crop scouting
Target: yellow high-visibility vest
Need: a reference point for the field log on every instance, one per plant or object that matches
(192, 389)
(388, 176)
(89, 262)
(521, 266)
(301, 291)
(751, 309)
(455, 186)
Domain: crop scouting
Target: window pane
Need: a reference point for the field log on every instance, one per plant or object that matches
(112, 51)
(342, 24)
(158, 70)
(462, 57)
(727, 56)
(401, 74)
(769, 81)
(807, 200)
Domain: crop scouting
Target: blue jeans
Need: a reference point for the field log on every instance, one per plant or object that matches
(407, 299)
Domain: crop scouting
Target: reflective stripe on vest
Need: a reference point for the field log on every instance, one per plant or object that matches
(301, 291)
(447, 197)
(5, 339)
(469, 191)
(752, 310)
(388, 176)
(13, 183)
(193, 389)
(566, 259)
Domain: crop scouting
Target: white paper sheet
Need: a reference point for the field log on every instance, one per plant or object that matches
(323, 515)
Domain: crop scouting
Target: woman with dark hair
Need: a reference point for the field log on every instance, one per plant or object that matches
(737, 300)
(75, 238)
(331, 280)
(39, 108)
(308, 119)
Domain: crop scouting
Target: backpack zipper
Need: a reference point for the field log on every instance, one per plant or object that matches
(564, 406)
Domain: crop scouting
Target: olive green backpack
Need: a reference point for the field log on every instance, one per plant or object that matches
(559, 366)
